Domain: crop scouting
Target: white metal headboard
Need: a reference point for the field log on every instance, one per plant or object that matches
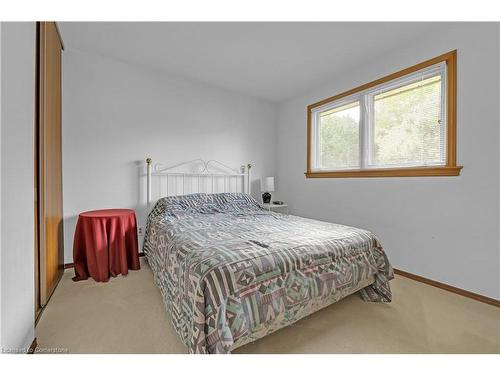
(202, 176)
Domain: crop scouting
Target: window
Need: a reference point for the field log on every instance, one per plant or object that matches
(399, 125)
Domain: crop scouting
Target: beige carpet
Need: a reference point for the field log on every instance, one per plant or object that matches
(126, 315)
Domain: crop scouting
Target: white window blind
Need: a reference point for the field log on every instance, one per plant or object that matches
(400, 123)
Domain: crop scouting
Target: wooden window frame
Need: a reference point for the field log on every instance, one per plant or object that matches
(449, 169)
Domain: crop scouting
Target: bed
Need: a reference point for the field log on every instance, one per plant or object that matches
(231, 272)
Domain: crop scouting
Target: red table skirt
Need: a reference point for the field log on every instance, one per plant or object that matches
(105, 244)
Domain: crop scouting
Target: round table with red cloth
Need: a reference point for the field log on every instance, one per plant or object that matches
(105, 244)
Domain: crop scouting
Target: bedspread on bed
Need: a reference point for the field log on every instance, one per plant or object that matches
(230, 272)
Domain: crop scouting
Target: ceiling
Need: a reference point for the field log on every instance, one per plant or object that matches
(272, 61)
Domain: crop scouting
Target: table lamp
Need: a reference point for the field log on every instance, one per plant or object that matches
(266, 185)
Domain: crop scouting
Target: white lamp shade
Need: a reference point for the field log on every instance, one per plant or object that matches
(267, 184)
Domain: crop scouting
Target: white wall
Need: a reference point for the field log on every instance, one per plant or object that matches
(0, 184)
(17, 206)
(115, 114)
(443, 228)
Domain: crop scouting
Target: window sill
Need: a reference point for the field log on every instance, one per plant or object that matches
(390, 172)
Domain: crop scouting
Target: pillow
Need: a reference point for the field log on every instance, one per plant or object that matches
(235, 202)
(184, 204)
(179, 205)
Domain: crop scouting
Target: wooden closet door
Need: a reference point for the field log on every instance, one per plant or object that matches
(50, 161)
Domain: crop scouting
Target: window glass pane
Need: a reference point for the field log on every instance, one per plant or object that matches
(338, 135)
(407, 125)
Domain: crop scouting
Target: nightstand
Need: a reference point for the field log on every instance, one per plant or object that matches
(275, 207)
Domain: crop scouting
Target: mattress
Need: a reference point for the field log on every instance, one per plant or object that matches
(231, 272)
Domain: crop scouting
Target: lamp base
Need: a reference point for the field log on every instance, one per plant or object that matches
(266, 197)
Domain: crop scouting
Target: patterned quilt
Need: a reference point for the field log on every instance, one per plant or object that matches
(231, 272)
